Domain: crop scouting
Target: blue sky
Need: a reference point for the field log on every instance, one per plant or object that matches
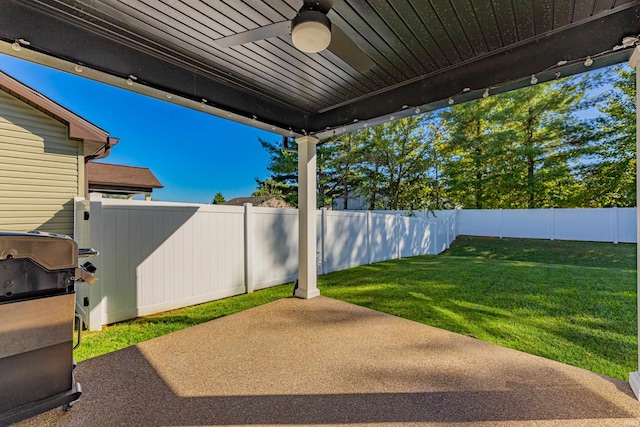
(194, 155)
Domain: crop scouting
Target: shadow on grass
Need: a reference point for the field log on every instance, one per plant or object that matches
(587, 254)
(574, 302)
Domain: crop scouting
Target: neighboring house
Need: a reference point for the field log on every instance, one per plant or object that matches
(271, 201)
(121, 180)
(46, 154)
(43, 151)
(354, 202)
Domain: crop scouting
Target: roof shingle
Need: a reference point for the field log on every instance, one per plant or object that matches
(106, 175)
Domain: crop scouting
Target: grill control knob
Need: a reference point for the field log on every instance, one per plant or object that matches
(89, 267)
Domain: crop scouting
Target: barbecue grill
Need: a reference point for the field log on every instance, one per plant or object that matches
(37, 316)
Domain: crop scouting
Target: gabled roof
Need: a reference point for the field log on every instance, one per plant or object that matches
(98, 142)
(120, 179)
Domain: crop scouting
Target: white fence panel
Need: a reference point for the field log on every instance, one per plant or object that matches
(627, 225)
(159, 256)
(415, 236)
(473, 222)
(442, 240)
(346, 241)
(596, 225)
(383, 237)
(275, 246)
(526, 223)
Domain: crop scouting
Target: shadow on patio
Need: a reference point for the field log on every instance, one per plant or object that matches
(324, 361)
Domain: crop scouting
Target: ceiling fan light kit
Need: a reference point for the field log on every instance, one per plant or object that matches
(311, 31)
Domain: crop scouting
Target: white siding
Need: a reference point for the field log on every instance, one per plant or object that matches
(38, 170)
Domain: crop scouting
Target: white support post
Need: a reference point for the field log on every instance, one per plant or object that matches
(248, 247)
(96, 306)
(634, 377)
(553, 225)
(501, 223)
(307, 263)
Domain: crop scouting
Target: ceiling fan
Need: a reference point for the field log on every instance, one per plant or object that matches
(311, 32)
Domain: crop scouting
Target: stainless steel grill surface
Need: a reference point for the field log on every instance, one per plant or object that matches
(37, 307)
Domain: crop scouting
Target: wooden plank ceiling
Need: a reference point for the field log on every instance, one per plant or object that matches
(423, 51)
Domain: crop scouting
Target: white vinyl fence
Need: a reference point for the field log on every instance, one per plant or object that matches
(596, 225)
(157, 256)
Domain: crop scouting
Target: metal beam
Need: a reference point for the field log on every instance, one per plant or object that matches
(113, 52)
(500, 71)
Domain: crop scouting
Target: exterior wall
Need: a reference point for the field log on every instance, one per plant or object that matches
(40, 170)
(354, 203)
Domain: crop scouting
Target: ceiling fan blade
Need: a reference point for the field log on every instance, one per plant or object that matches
(268, 31)
(347, 50)
(323, 6)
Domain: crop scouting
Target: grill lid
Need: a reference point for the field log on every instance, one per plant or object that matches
(51, 251)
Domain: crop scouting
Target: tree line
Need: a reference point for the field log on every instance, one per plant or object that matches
(565, 143)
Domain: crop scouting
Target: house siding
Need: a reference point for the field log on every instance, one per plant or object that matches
(40, 170)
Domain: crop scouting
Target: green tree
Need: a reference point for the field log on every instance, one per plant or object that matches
(609, 171)
(547, 137)
(475, 153)
(334, 161)
(370, 168)
(283, 171)
(218, 199)
(395, 166)
(268, 187)
(437, 135)
(338, 167)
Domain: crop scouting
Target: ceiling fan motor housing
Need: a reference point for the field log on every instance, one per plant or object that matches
(311, 31)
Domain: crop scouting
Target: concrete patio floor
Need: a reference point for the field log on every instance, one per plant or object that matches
(326, 362)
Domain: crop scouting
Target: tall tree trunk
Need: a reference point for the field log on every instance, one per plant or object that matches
(478, 180)
(346, 187)
(530, 161)
(531, 182)
(372, 201)
(437, 186)
(346, 198)
(320, 187)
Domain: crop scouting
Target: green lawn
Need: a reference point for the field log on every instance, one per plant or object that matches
(574, 302)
